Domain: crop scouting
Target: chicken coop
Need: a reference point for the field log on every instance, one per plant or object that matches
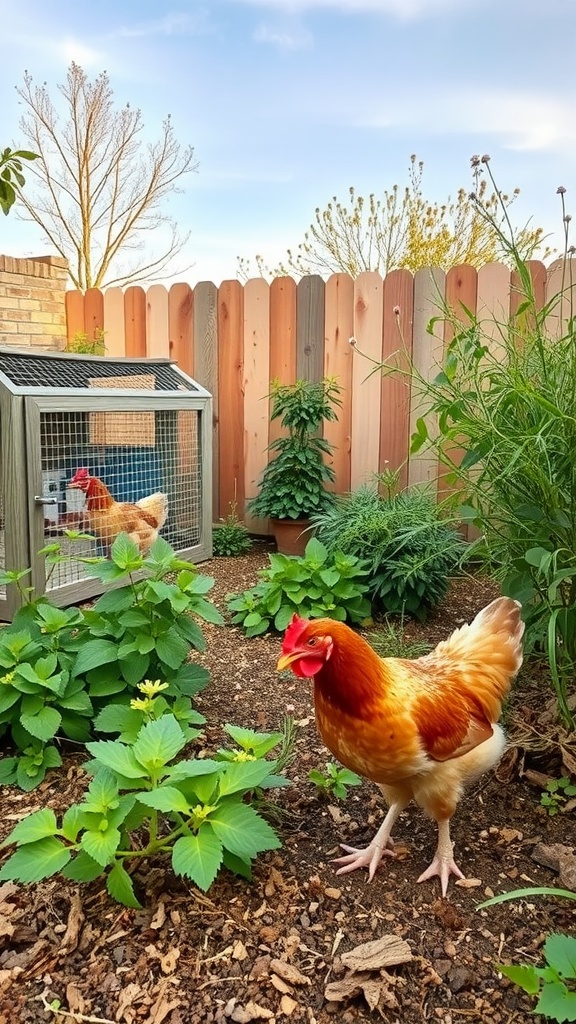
(138, 431)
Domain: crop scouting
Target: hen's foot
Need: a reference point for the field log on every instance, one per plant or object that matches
(368, 858)
(443, 867)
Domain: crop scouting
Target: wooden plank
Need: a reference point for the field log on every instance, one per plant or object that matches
(559, 287)
(310, 328)
(461, 294)
(230, 385)
(366, 385)
(256, 359)
(135, 321)
(338, 329)
(74, 302)
(429, 285)
(398, 314)
(181, 326)
(282, 339)
(493, 305)
(205, 333)
(157, 325)
(93, 314)
(114, 327)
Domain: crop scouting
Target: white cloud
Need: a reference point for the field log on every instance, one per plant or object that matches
(175, 23)
(284, 39)
(404, 10)
(522, 120)
(71, 49)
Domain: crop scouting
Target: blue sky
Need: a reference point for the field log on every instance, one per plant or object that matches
(289, 102)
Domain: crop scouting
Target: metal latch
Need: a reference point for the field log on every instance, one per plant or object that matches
(45, 499)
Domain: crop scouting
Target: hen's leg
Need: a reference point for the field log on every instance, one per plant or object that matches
(380, 846)
(443, 863)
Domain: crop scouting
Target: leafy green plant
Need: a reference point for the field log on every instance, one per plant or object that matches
(292, 485)
(333, 782)
(554, 984)
(408, 548)
(505, 394)
(61, 667)
(230, 537)
(40, 696)
(11, 176)
(140, 803)
(315, 585)
(127, 720)
(81, 344)
(144, 629)
(557, 1000)
(557, 793)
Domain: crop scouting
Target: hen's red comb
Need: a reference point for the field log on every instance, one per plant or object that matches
(80, 474)
(293, 633)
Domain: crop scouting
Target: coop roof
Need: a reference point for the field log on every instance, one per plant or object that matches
(26, 372)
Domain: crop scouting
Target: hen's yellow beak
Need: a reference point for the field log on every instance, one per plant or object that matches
(286, 660)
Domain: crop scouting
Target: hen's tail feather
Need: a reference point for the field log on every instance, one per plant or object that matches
(156, 506)
(486, 654)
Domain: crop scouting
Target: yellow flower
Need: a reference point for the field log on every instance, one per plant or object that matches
(152, 687)
(8, 678)
(142, 705)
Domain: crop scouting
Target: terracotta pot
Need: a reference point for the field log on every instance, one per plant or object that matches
(291, 535)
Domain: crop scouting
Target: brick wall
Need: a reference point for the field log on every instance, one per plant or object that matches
(32, 307)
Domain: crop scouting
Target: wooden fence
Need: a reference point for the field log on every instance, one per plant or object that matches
(234, 339)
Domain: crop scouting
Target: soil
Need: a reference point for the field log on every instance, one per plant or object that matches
(279, 949)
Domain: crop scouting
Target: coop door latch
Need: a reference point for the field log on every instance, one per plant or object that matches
(46, 499)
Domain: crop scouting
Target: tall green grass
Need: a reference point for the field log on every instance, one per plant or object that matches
(511, 405)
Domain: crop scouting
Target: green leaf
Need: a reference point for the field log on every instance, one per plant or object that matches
(120, 886)
(115, 601)
(241, 830)
(118, 718)
(35, 826)
(158, 742)
(198, 857)
(557, 1002)
(82, 868)
(560, 952)
(95, 653)
(35, 861)
(166, 798)
(118, 757)
(193, 769)
(523, 975)
(242, 776)
(44, 725)
(101, 846)
(171, 648)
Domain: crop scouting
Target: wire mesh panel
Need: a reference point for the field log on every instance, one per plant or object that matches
(111, 472)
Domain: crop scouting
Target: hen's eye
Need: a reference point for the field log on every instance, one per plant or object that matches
(312, 641)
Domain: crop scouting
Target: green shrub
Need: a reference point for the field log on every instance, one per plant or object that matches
(408, 549)
(61, 667)
(230, 537)
(292, 485)
(141, 803)
(314, 586)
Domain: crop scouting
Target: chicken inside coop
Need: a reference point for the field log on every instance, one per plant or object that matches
(106, 518)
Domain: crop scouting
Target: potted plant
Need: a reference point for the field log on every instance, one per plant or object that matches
(292, 486)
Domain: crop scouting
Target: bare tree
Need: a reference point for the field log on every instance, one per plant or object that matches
(401, 230)
(99, 187)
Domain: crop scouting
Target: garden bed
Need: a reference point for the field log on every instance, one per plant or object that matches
(269, 949)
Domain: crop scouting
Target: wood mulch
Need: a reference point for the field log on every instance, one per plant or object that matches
(283, 947)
